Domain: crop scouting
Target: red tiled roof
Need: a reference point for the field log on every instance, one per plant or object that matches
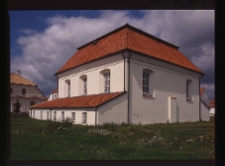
(80, 101)
(54, 91)
(128, 37)
(212, 103)
(201, 91)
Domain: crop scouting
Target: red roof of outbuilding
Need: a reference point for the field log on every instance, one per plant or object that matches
(128, 37)
(212, 103)
(201, 91)
(78, 102)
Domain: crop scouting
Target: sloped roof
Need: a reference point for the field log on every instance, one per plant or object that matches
(18, 79)
(128, 37)
(80, 101)
(212, 103)
(202, 89)
(54, 91)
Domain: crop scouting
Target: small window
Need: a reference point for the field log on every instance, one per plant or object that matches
(41, 115)
(146, 81)
(54, 118)
(47, 115)
(73, 116)
(85, 85)
(84, 117)
(68, 88)
(32, 103)
(63, 116)
(23, 91)
(106, 77)
(188, 90)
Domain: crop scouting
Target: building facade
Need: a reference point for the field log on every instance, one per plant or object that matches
(24, 94)
(126, 76)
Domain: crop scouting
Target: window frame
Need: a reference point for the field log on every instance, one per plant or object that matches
(84, 117)
(106, 80)
(63, 115)
(32, 102)
(47, 115)
(41, 115)
(73, 118)
(23, 91)
(188, 90)
(33, 113)
(68, 88)
(147, 83)
(55, 116)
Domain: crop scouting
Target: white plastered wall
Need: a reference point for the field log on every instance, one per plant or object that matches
(67, 114)
(92, 70)
(166, 82)
(113, 111)
(204, 112)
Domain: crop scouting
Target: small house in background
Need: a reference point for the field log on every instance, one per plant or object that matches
(53, 95)
(24, 93)
(212, 107)
(126, 76)
(204, 104)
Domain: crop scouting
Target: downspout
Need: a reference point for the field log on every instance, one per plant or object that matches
(199, 100)
(95, 116)
(127, 55)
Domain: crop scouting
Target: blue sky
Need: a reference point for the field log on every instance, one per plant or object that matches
(42, 41)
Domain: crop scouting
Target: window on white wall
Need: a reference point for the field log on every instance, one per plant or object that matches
(147, 82)
(54, 118)
(84, 117)
(73, 116)
(83, 84)
(47, 114)
(41, 115)
(188, 90)
(33, 113)
(106, 80)
(63, 117)
(67, 88)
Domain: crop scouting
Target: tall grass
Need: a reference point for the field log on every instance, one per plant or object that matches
(47, 140)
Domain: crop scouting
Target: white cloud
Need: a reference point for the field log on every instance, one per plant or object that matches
(43, 53)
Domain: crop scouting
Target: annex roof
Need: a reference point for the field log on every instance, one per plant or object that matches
(202, 89)
(212, 103)
(78, 102)
(18, 79)
(54, 91)
(128, 37)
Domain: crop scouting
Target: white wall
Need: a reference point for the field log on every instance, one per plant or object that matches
(67, 114)
(92, 70)
(113, 111)
(212, 111)
(166, 82)
(204, 112)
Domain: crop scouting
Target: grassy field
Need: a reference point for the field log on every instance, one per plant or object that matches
(45, 140)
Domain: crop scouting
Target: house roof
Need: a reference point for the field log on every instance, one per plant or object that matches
(128, 37)
(78, 102)
(18, 79)
(202, 89)
(212, 103)
(54, 91)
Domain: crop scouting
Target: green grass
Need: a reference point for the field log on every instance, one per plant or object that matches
(46, 140)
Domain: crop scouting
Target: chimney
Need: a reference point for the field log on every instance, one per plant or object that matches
(19, 72)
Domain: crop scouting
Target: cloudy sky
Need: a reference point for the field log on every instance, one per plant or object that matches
(42, 41)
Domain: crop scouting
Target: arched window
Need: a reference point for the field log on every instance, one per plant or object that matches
(83, 84)
(106, 80)
(188, 90)
(67, 89)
